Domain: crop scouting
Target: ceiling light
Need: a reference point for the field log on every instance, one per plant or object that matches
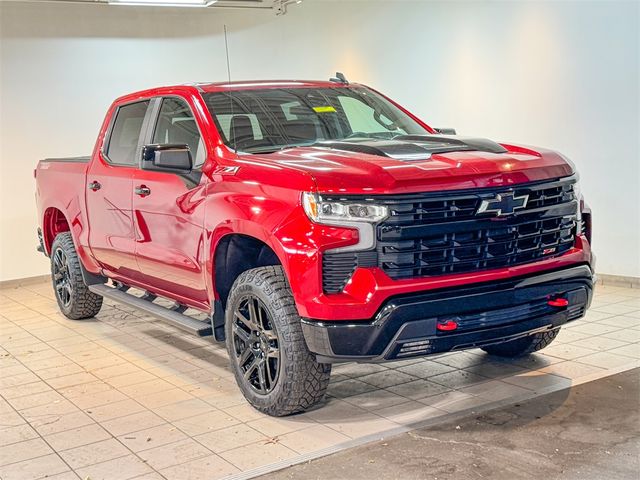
(164, 3)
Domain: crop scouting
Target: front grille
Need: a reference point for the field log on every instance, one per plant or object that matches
(502, 245)
(434, 234)
(445, 235)
(427, 209)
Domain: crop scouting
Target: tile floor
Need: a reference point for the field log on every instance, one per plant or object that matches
(125, 396)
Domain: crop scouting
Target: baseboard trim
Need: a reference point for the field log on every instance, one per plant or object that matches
(618, 280)
(22, 282)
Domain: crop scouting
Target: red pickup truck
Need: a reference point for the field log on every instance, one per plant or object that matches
(313, 223)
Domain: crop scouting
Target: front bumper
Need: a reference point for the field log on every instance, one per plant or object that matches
(486, 313)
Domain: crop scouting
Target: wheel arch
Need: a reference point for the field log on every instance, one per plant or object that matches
(54, 222)
(236, 253)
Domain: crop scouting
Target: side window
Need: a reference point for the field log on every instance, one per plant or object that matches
(176, 124)
(125, 133)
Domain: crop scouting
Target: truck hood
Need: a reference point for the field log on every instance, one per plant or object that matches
(411, 164)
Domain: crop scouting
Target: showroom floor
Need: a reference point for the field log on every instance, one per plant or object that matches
(124, 396)
(589, 431)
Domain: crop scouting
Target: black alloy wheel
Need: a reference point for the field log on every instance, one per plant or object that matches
(268, 354)
(256, 345)
(74, 298)
(62, 277)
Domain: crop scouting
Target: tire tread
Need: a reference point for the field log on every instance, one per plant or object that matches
(305, 381)
(523, 346)
(84, 303)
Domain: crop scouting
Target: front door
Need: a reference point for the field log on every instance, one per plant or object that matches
(168, 211)
(109, 185)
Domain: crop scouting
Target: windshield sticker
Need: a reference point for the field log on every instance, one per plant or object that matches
(325, 109)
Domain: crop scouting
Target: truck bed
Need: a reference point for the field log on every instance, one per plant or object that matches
(60, 184)
(81, 159)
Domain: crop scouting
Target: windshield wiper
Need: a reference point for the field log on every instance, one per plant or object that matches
(279, 148)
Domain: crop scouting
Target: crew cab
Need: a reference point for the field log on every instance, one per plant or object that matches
(313, 223)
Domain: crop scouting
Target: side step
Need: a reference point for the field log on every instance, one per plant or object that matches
(191, 325)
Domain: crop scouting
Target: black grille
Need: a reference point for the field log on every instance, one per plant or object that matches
(576, 311)
(415, 348)
(489, 245)
(427, 209)
(442, 233)
(337, 268)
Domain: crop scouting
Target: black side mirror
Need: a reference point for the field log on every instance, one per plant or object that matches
(446, 131)
(169, 157)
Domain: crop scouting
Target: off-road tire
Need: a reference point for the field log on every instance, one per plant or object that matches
(83, 303)
(523, 346)
(301, 381)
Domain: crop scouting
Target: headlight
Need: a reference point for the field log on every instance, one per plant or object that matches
(341, 213)
(359, 216)
(577, 193)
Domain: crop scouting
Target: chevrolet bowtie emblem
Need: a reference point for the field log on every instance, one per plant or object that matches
(503, 204)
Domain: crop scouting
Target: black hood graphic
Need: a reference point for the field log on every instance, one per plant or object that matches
(413, 147)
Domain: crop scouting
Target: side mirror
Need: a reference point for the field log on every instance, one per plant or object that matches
(171, 158)
(446, 131)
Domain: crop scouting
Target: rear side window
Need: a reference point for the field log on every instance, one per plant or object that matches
(125, 133)
(176, 124)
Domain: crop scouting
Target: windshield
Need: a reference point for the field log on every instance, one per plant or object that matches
(267, 120)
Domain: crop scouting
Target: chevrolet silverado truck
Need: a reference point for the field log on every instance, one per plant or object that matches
(314, 223)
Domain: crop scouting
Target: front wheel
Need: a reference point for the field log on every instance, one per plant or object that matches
(523, 346)
(74, 298)
(268, 354)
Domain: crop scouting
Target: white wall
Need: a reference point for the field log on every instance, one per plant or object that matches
(557, 74)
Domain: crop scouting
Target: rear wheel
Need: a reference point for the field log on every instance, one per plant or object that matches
(269, 357)
(523, 346)
(74, 298)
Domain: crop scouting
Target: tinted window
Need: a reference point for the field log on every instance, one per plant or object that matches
(125, 133)
(225, 125)
(270, 119)
(176, 124)
(362, 117)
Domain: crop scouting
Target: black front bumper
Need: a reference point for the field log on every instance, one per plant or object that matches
(485, 313)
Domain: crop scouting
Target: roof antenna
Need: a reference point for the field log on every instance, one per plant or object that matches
(339, 78)
(226, 48)
(231, 130)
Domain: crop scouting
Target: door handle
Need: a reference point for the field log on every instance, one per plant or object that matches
(142, 190)
(94, 186)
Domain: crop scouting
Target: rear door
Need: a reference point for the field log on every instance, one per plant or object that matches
(110, 191)
(169, 209)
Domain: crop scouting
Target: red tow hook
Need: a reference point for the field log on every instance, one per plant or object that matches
(558, 302)
(447, 326)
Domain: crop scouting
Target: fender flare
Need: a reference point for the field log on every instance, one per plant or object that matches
(88, 277)
(246, 228)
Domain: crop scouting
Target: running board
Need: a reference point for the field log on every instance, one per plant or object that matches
(183, 322)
